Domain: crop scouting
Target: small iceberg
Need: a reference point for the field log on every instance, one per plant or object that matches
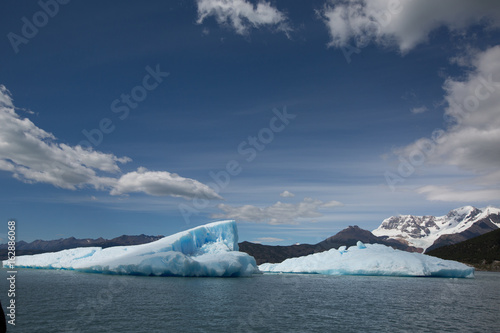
(371, 259)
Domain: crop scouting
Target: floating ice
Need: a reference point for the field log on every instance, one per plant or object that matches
(371, 259)
(208, 250)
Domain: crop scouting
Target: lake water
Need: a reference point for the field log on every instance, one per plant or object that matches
(67, 301)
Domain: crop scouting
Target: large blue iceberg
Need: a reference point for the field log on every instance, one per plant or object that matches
(371, 259)
(208, 250)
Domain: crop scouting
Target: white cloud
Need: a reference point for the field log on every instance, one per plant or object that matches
(268, 240)
(404, 23)
(242, 15)
(279, 213)
(33, 155)
(446, 193)
(5, 97)
(162, 183)
(472, 141)
(286, 194)
(420, 109)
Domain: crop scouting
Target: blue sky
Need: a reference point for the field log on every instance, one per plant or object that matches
(296, 118)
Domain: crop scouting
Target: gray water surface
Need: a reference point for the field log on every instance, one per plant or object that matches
(67, 301)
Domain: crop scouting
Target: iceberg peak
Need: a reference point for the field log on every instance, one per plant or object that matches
(360, 245)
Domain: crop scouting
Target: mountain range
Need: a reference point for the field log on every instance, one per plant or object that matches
(404, 232)
(431, 232)
(41, 246)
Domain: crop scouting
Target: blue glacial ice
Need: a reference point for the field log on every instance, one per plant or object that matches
(212, 250)
(371, 259)
(208, 250)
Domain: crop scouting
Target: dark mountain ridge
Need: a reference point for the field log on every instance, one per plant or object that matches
(482, 252)
(42, 246)
(347, 237)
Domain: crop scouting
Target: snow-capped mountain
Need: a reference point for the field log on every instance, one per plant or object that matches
(429, 232)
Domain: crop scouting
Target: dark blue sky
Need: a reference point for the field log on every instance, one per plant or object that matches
(349, 120)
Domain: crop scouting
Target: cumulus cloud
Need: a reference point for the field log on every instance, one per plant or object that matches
(403, 23)
(33, 155)
(279, 213)
(472, 140)
(242, 15)
(286, 194)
